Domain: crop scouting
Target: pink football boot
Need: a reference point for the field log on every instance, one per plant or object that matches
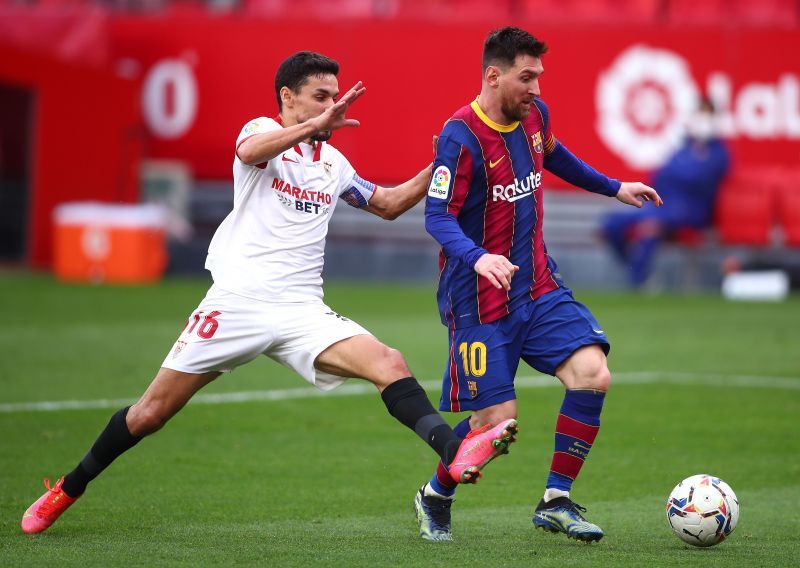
(47, 509)
(479, 448)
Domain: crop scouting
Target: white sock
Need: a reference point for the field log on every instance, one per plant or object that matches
(428, 491)
(551, 493)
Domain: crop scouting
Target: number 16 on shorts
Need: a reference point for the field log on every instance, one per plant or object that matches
(207, 328)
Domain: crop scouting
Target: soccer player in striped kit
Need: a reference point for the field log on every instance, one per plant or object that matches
(500, 294)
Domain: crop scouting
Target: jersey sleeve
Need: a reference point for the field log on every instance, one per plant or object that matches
(256, 126)
(549, 137)
(353, 189)
(447, 191)
(566, 165)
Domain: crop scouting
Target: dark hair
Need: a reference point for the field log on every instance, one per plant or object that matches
(295, 70)
(504, 45)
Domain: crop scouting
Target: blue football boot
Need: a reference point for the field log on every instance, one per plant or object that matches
(562, 515)
(433, 515)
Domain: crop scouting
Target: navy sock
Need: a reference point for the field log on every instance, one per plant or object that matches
(576, 429)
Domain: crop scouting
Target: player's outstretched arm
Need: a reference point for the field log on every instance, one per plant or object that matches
(263, 147)
(391, 202)
(636, 193)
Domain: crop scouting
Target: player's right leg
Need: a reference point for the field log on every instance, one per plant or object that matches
(434, 499)
(166, 395)
(225, 331)
(479, 378)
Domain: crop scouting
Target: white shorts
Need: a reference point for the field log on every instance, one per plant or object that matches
(227, 330)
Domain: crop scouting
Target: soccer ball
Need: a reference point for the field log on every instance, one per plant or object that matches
(702, 510)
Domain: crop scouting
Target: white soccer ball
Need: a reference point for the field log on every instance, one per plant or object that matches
(702, 510)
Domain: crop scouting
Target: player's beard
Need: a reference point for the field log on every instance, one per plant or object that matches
(514, 111)
(322, 136)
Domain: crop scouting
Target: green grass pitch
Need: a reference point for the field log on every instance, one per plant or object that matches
(705, 386)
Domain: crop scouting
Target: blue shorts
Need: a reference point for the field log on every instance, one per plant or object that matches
(484, 358)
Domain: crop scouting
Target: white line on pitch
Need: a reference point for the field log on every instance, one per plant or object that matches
(354, 389)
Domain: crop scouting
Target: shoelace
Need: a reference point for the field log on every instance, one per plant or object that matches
(577, 509)
(50, 503)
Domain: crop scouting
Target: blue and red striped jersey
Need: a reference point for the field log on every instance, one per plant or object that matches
(485, 196)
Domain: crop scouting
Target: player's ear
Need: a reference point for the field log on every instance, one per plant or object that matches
(492, 76)
(287, 97)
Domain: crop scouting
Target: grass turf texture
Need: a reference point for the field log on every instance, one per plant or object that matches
(330, 481)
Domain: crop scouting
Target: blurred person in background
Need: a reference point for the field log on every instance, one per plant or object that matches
(688, 183)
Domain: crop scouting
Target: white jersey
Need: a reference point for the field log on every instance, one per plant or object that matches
(271, 246)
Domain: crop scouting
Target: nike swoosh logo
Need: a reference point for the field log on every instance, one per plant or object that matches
(497, 161)
(471, 449)
(26, 515)
(285, 159)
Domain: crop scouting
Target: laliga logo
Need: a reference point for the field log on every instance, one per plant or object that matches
(440, 183)
(645, 98)
(642, 103)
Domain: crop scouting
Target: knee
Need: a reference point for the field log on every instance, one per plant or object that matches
(597, 377)
(145, 418)
(603, 379)
(393, 365)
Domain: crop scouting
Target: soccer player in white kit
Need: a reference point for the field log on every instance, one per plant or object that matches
(266, 260)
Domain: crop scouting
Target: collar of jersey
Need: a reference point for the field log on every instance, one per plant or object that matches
(297, 148)
(489, 122)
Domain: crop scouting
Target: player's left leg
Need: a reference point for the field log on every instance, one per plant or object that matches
(586, 378)
(363, 356)
(566, 341)
(325, 348)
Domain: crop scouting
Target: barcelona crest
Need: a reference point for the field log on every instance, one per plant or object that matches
(537, 141)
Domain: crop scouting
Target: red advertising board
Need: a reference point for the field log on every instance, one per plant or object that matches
(618, 96)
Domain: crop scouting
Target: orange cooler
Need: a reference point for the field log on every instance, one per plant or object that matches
(100, 242)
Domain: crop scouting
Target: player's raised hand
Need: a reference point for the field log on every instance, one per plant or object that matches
(636, 194)
(497, 269)
(333, 118)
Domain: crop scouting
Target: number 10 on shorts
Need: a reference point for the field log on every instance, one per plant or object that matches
(473, 356)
